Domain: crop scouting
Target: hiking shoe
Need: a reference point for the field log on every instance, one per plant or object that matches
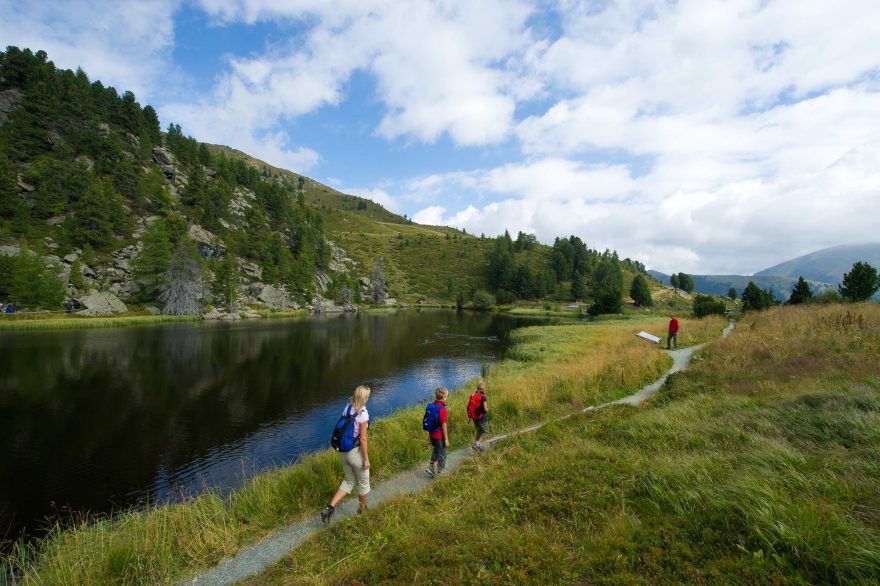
(327, 513)
(478, 448)
(429, 469)
(361, 508)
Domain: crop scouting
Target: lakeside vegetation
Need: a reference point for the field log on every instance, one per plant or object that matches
(759, 464)
(551, 370)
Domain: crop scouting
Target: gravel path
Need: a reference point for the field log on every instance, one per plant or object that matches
(257, 558)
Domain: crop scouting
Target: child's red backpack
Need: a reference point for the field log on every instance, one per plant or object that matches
(474, 404)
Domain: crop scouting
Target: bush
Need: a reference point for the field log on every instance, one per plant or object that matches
(483, 300)
(707, 305)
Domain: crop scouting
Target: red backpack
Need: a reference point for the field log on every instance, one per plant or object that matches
(474, 405)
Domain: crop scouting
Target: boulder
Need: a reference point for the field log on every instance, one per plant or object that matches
(275, 298)
(70, 257)
(322, 281)
(212, 315)
(365, 282)
(101, 303)
(390, 302)
(153, 310)
(9, 99)
(162, 156)
(208, 244)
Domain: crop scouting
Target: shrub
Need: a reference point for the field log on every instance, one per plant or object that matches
(483, 300)
(707, 305)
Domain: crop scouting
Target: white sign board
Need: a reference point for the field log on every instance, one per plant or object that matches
(649, 337)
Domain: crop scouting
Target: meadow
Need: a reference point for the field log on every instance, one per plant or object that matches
(758, 465)
(551, 370)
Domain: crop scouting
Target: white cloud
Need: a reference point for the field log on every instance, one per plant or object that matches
(379, 196)
(431, 216)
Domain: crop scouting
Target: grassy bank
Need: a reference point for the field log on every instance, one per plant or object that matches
(551, 370)
(759, 464)
(20, 323)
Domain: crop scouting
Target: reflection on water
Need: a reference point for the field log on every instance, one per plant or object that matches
(100, 419)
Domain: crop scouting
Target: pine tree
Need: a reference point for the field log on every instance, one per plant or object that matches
(731, 293)
(225, 281)
(860, 283)
(152, 263)
(607, 288)
(378, 286)
(640, 292)
(578, 288)
(76, 279)
(801, 293)
(183, 287)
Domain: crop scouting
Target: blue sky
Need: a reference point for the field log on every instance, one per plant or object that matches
(701, 136)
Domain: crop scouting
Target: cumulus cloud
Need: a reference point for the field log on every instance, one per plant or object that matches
(376, 195)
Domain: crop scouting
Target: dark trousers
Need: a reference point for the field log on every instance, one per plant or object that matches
(439, 453)
(672, 337)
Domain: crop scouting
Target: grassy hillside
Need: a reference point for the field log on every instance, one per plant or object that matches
(827, 265)
(757, 465)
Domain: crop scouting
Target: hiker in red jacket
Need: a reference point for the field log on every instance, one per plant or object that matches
(672, 336)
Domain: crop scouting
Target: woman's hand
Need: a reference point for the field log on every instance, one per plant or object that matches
(366, 463)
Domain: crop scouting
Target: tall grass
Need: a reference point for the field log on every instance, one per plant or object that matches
(54, 322)
(718, 481)
(551, 370)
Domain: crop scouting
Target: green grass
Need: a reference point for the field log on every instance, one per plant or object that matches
(744, 470)
(552, 370)
(21, 323)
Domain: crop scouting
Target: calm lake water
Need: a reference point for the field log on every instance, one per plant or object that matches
(98, 420)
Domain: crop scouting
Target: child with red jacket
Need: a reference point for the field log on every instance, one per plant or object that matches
(439, 436)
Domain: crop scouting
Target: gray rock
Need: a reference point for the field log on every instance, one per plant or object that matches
(365, 282)
(208, 244)
(9, 99)
(70, 257)
(10, 250)
(89, 271)
(322, 281)
(98, 303)
(275, 298)
(390, 302)
(250, 268)
(133, 140)
(212, 315)
(162, 156)
(153, 310)
(104, 129)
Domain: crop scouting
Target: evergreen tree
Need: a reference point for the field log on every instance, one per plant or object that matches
(607, 288)
(378, 286)
(76, 279)
(673, 280)
(860, 283)
(8, 180)
(801, 293)
(578, 288)
(686, 282)
(755, 298)
(502, 265)
(152, 263)
(641, 292)
(34, 283)
(731, 293)
(183, 287)
(94, 215)
(225, 281)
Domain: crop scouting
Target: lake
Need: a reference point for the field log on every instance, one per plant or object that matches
(101, 420)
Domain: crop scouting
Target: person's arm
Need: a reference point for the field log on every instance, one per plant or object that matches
(364, 446)
(445, 435)
(485, 406)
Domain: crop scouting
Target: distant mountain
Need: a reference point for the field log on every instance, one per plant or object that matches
(823, 269)
(827, 265)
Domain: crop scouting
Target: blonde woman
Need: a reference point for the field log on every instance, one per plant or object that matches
(355, 462)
